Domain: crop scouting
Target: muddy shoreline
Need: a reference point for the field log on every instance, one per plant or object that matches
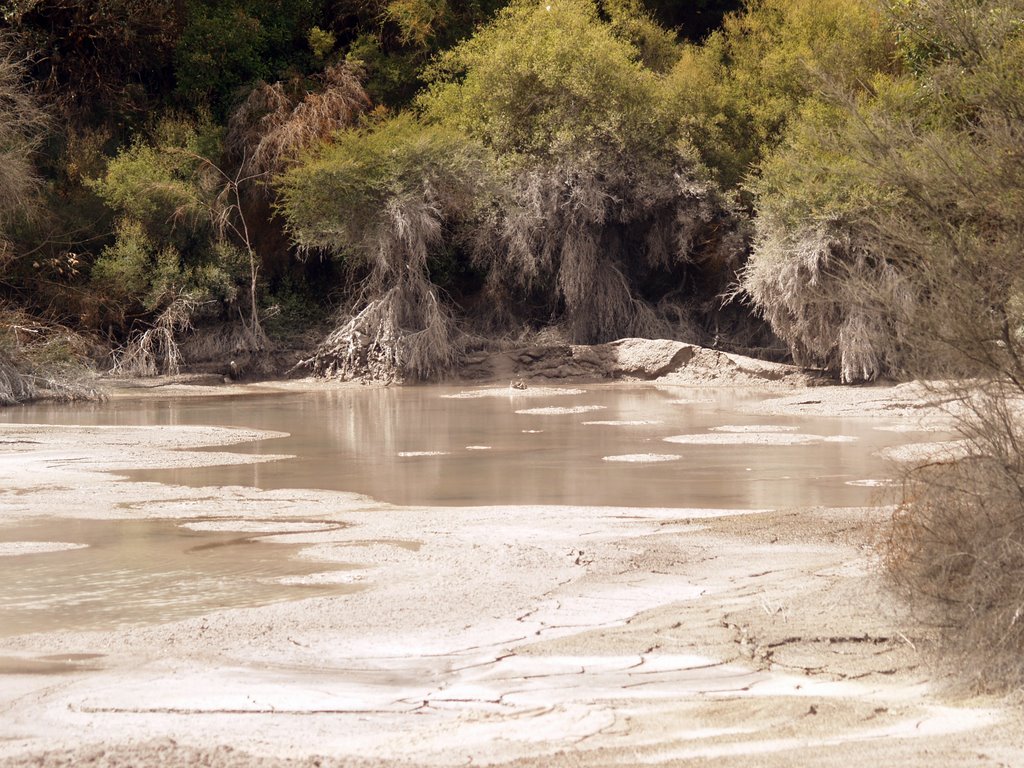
(533, 636)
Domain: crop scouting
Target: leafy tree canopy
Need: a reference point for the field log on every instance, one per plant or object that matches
(547, 79)
(736, 93)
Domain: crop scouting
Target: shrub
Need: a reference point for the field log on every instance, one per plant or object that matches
(181, 242)
(735, 93)
(272, 127)
(899, 208)
(956, 550)
(42, 360)
(383, 199)
(821, 272)
(604, 212)
(227, 45)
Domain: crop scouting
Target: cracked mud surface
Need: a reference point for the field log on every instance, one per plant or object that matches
(530, 636)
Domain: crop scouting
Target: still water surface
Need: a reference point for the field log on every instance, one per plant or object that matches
(483, 451)
(138, 572)
(415, 445)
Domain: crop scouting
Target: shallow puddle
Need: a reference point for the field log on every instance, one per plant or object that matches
(138, 572)
(420, 445)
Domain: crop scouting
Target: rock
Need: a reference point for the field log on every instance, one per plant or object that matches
(585, 355)
(648, 358)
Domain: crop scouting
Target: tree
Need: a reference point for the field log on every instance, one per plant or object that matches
(735, 93)
(897, 209)
(182, 240)
(601, 196)
(384, 199)
(22, 122)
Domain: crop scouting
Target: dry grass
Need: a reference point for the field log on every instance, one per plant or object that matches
(956, 550)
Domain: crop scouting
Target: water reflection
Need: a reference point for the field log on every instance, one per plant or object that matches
(414, 446)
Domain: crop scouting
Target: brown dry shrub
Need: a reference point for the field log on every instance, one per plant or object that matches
(15, 385)
(396, 325)
(43, 360)
(272, 126)
(956, 548)
(155, 350)
(838, 305)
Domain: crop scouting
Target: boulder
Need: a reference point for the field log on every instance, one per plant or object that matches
(648, 358)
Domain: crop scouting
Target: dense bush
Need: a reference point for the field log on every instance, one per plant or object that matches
(384, 199)
(890, 240)
(600, 196)
(180, 243)
(956, 551)
(735, 93)
(227, 45)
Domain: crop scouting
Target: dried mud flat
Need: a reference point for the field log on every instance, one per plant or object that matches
(533, 636)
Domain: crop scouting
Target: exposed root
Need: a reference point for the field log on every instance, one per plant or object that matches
(405, 332)
(155, 350)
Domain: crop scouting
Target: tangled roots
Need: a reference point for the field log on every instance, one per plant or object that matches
(406, 332)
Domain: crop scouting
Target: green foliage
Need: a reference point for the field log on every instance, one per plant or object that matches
(168, 245)
(385, 199)
(735, 94)
(547, 79)
(343, 199)
(124, 270)
(920, 176)
(418, 21)
(161, 185)
(392, 76)
(228, 44)
(321, 42)
(600, 193)
(134, 272)
(657, 46)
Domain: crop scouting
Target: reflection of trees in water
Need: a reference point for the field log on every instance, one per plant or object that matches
(350, 440)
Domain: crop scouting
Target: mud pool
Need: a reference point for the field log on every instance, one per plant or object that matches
(138, 572)
(644, 447)
(602, 446)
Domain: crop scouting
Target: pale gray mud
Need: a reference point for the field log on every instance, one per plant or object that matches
(598, 613)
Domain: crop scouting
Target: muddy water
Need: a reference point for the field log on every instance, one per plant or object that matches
(135, 572)
(415, 446)
(424, 446)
